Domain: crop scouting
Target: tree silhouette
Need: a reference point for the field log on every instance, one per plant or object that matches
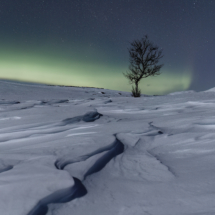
(144, 57)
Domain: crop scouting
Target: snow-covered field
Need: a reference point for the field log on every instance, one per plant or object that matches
(87, 151)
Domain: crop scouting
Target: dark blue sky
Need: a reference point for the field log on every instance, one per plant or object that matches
(85, 42)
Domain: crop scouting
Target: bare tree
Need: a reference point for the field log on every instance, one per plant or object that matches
(144, 57)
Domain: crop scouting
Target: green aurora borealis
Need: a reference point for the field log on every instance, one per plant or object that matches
(44, 67)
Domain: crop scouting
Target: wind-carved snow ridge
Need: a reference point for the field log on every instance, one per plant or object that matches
(107, 153)
(61, 163)
(54, 101)
(90, 116)
(78, 190)
(154, 127)
(162, 163)
(156, 156)
(6, 168)
(9, 102)
(45, 128)
(116, 149)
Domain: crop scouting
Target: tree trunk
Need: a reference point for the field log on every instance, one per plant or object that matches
(135, 90)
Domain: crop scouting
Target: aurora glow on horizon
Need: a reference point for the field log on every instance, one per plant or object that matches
(51, 70)
(46, 45)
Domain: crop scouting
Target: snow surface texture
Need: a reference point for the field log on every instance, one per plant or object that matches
(69, 150)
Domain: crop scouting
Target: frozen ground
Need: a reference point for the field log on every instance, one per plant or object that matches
(87, 151)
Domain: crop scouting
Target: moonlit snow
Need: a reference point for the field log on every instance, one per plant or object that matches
(87, 151)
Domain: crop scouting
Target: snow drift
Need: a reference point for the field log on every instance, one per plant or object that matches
(69, 150)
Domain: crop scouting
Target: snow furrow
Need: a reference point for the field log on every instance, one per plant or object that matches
(61, 196)
(6, 168)
(116, 149)
(78, 190)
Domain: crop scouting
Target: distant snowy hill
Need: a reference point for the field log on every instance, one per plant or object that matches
(70, 150)
(211, 90)
(22, 90)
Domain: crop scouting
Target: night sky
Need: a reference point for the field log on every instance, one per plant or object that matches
(85, 43)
